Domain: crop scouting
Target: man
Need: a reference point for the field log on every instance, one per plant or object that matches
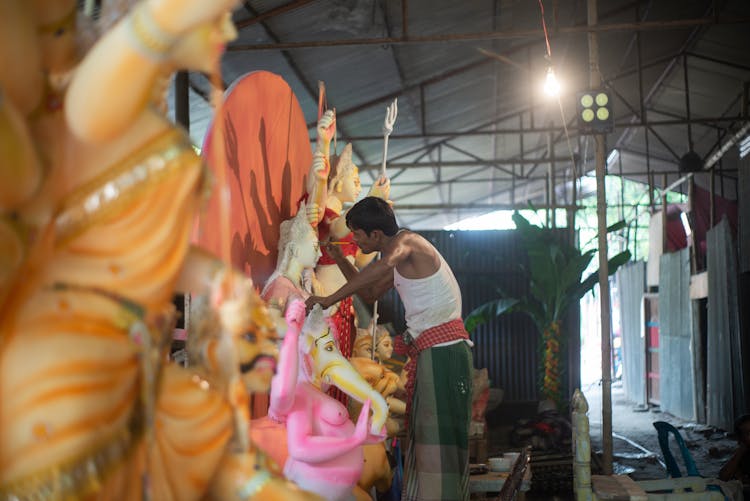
(440, 365)
(738, 466)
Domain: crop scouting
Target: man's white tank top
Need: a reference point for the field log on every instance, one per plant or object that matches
(429, 301)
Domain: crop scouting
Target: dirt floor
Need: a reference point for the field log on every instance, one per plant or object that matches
(636, 450)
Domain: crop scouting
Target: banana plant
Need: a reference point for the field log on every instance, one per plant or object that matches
(555, 270)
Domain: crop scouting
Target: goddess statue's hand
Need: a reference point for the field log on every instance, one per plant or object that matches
(373, 438)
(327, 126)
(233, 302)
(228, 284)
(362, 429)
(381, 188)
(295, 315)
(310, 282)
(312, 212)
(179, 16)
(320, 168)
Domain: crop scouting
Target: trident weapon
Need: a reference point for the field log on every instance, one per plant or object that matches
(391, 112)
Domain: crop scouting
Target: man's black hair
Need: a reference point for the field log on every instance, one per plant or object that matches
(372, 213)
(739, 422)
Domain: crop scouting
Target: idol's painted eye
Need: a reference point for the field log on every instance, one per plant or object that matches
(329, 348)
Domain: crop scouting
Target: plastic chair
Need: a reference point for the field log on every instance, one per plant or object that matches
(663, 430)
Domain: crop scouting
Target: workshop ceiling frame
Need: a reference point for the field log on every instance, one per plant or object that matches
(467, 113)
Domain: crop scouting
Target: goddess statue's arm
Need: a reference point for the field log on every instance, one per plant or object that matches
(339, 229)
(198, 271)
(284, 383)
(113, 84)
(396, 405)
(346, 266)
(304, 446)
(244, 477)
(317, 180)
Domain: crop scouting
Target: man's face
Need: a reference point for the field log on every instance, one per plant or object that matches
(367, 243)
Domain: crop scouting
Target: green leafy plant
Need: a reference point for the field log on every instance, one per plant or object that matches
(554, 272)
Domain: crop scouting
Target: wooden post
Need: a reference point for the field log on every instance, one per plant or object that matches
(552, 195)
(691, 221)
(664, 215)
(595, 82)
(182, 100)
(712, 209)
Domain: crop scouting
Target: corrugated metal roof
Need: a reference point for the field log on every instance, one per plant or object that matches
(446, 84)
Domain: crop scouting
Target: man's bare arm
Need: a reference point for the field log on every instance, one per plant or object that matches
(361, 281)
(732, 467)
(346, 267)
(370, 282)
(369, 294)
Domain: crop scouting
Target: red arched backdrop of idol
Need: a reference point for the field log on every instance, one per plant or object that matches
(267, 155)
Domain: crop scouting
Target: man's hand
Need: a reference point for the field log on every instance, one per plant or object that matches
(334, 250)
(324, 302)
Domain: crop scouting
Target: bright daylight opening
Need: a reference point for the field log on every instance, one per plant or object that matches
(497, 220)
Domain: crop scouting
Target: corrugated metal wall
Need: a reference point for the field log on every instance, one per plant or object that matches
(743, 206)
(507, 346)
(632, 283)
(724, 379)
(743, 177)
(676, 374)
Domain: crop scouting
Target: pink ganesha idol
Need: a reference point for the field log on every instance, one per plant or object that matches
(323, 452)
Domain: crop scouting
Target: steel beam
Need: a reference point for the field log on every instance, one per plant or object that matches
(259, 17)
(448, 135)
(676, 24)
(478, 207)
(464, 163)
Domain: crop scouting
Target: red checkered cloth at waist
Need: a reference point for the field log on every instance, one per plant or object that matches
(443, 333)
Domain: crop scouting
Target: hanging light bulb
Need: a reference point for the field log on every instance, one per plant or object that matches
(551, 85)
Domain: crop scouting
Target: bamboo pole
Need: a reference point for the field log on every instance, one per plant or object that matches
(595, 81)
(182, 99)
